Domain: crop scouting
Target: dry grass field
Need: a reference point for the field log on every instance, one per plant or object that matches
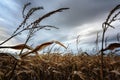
(59, 67)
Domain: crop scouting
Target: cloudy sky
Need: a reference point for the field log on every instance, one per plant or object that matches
(84, 18)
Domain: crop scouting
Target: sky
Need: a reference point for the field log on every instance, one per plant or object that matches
(84, 18)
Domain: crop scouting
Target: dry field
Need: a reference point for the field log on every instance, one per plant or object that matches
(59, 67)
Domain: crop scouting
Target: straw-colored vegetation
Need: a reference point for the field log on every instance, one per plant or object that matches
(58, 66)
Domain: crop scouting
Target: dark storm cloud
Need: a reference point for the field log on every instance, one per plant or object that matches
(81, 11)
(85, 11)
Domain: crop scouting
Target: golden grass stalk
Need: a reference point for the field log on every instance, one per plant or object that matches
(112, 46)
(42, 46)
(18, 47)
(59, 43)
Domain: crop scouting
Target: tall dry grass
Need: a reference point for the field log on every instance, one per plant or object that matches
(60, 67)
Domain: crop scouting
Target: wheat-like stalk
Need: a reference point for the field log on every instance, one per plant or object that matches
(112, 46)
(18, 47)
(59, 43)
(42, 46)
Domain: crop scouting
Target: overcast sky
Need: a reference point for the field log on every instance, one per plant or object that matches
(84, 18)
